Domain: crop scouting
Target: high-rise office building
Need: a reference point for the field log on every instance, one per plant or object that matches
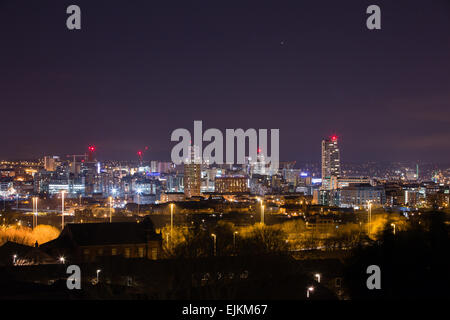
(331, 163)
(192, 174)
(50, 163)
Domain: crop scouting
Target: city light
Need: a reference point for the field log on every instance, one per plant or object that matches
(308, 291)
(215, 240)
(291, 142)
(317, 275)
(62, 209)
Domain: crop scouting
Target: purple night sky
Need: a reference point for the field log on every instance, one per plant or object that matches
(140, 69)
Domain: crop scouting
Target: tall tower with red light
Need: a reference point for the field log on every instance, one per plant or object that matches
(91, 153)
(331, 160)
(140, 154)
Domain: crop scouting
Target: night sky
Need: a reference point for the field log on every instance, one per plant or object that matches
(140, 69)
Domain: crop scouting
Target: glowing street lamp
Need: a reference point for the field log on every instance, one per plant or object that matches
(14, 259)
(35, 213)
(310, 289)
(110, 209)
(62, 260)
(393, 225)
(234, 239)
(98, 271)
(317, 275)
(62, 209)
(369, 212)
(262, 210)
(262, 214)
(171, 224)
(215, 241)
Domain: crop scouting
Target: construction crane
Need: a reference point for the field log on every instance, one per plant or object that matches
(92, 150)
(140, 154)
(74, 160)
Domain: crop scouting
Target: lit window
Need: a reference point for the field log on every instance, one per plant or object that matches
(127, 252)
(113, 251)
(154, 253)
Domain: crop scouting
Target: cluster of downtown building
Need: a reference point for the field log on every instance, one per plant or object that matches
(150, 182)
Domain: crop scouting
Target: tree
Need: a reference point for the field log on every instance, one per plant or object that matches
(414, 262)
(261, 239)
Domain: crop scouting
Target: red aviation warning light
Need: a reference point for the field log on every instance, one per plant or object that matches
(140, 154)
(334, 138)
(91, 149)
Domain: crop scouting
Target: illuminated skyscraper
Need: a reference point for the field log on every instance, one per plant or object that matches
(331, 163)
(192, 174)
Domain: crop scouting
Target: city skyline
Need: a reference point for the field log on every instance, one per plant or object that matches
(128, 78)
(223, 155)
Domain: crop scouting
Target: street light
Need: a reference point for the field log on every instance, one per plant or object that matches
(215, 240)
(393, 225)
(234, 239)
(262, 210)
(35, 213)
(262, 213)
(14, 259)
(369, 212)
(171, 224)
(139, 191)
(310, 289)
(37, 200)
(317, 275)
(98, 271)
(62, 209)
(110, 209)
(62, 260)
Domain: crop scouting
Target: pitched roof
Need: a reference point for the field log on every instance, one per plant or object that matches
(86, 234)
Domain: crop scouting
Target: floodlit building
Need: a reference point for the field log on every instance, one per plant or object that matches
(360, 195)
(192, 174)
(237, 184)
(50, 163)
(331, 163)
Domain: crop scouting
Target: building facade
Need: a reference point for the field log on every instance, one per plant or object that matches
(331, 163)
(231, 184)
